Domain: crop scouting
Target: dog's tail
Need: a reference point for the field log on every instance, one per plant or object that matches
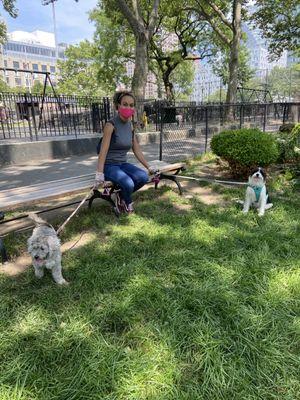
(37, 220)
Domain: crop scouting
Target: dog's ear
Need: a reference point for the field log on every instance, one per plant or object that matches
(263, 172)
(253, 171)
(29, 244)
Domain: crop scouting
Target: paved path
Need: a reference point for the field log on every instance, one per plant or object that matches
(43, 171)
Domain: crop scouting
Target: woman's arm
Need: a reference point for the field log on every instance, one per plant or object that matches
(138, 153)
(107, 132)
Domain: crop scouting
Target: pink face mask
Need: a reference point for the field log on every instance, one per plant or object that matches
(126, 112)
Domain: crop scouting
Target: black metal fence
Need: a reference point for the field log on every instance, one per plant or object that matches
(187, 130)
(34, 117)
(178, 131)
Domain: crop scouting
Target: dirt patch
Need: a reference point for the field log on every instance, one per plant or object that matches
(205, 194)
(192, 190)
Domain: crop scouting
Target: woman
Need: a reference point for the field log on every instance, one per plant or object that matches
(118, 139)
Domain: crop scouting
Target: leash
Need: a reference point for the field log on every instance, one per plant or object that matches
(59, 230)
(191, 178)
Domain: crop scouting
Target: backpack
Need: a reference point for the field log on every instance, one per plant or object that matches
(100, 140)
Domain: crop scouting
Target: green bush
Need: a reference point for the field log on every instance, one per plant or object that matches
(289, 145)
(296, 139)
(296, 134)
(244, 149)
(286, 128)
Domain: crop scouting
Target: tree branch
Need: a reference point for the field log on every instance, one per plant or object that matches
(132, 20)
(220, 14)
(153, 17)
(218, 31)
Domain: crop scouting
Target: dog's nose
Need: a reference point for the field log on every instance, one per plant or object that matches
(36, 257)
(257, 175)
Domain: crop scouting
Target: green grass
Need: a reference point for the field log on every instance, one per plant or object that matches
(170, 303)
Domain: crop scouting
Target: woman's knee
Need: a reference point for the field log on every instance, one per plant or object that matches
(127, 184)
(141, 178)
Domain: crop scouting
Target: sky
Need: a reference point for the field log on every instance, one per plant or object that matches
(71, 18)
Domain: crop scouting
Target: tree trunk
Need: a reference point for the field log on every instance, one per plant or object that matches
(234, 54)
(140, 74)
(169, 89)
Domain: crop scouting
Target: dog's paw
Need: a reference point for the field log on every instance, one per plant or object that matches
(261, 214)
(39, 274)
(63, 282)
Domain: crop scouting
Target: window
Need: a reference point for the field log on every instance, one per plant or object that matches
(7, 80)
(44, 68)
(18, 81)
(52, 69)
(5, 63)
(16, 65)
(35, 67)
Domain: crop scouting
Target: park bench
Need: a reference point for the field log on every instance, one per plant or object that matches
(32, 194)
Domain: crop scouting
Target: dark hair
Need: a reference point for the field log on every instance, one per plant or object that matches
(118, 96)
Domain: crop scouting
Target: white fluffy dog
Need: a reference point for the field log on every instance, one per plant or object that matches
(44, 248)
(256, 193)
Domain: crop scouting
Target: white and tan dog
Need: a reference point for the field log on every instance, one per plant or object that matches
(256, 193)
(44, 248)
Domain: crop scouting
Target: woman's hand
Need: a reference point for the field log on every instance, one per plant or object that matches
(99, 180)
(152, 170)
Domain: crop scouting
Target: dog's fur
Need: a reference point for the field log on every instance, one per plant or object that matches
(44, 248)
(257, 179)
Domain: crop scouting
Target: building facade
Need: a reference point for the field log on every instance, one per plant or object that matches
(32, 51)
(205, 82)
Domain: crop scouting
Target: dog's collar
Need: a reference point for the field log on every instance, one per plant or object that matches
(257, 191)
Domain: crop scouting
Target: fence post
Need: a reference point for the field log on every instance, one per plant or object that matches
(161, 132)
(206, 129)
(28, 116)
(241, 115)
(33, 118)
(156, 114)
(265, 117)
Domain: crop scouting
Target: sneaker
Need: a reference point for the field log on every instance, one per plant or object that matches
(126, 209)
(130, 208)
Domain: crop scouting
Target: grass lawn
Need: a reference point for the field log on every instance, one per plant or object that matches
(180, 301)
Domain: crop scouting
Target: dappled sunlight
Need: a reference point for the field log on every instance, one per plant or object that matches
(284, 286)
(31, 322)
(162, 304)
(150, 369)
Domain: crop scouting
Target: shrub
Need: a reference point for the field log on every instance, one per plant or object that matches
(286, 128)
(244, 149)
(289, 144)
(296, 134)
(296, 140)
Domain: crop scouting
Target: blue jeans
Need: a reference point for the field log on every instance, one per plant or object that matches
(129, 177)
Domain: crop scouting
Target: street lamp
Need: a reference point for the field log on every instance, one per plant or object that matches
(45, 3)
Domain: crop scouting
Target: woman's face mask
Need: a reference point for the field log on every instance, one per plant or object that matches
(126, 112)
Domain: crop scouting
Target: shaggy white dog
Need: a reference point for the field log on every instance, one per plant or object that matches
(44, 248)
(256, 193)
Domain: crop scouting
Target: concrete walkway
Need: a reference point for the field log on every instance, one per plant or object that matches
(44, 171)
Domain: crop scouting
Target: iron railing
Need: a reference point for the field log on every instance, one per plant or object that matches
(35, 117)
(186, 131)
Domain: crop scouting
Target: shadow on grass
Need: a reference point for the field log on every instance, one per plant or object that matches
(170, 305)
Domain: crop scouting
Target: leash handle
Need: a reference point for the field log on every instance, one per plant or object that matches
(59, 230)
